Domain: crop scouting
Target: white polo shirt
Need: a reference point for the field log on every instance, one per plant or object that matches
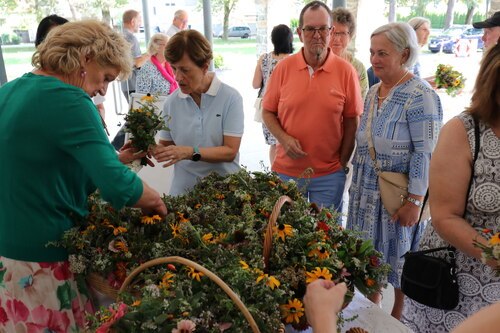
(220, 113)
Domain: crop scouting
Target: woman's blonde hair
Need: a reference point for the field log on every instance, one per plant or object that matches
(65, 48)
(154, 43)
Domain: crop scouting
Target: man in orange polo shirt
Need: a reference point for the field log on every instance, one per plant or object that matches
(312, 106)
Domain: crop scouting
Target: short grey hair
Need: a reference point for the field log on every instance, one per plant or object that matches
(402, 36)
(153, 46)
(417, 22)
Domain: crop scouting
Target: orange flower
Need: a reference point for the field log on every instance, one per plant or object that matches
(292, 311)
(318, 273)
(495, 240)
(370, 282)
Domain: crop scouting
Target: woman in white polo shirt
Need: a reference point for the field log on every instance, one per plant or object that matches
(205, 116)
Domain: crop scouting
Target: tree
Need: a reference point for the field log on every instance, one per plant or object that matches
(472, 5)
(392, 10)
(227, 7)
(448, 22)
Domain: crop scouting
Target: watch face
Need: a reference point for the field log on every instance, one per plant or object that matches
(196, 157)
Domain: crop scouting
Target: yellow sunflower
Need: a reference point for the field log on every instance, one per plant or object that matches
(270, 281)
(208, 238)
(150, 219)
(176, 232)
(119, 230)
(194, 274)
(319, 252)
(292, 311)
(182, 217)
(495, 240)
(244, 265)
(197, 206)
(318, 273)
(283, 230)
(148, 98)
(167, 280)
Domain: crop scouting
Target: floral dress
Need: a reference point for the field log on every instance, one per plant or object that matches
(43, 297)
(404, 132)
(267, 67)
(150, 80)
(478, 285)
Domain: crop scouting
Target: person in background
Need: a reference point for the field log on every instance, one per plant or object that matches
(459, 214)
(131, 22)
(44, 189)
(344, 30)
(491, 30)
(312, 106)
(206, 116)
(156, 76)
(403, 115)
(282, 39)
(179, 23)
(422, 27)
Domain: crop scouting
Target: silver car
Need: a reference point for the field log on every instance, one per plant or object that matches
(237, 31)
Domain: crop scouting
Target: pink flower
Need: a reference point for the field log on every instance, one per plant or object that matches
(184, 326)
(115, 315)
(16, 310)
(48, 320)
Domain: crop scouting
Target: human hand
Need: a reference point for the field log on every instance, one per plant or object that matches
(292, 147)
(323, 300)
(128, 154)
(407, 215)
(172, 154)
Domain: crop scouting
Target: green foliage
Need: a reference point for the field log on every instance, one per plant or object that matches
(218, 61)
(294, 23)
(437, 20)
(10, 39)
(450, 80)
(221, 224)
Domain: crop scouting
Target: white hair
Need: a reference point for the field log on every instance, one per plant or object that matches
(417, 22)
(153, 46)
(402, 36)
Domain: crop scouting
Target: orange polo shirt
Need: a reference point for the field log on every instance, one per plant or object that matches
(311, 108)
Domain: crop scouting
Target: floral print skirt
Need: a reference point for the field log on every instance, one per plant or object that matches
(41, 297)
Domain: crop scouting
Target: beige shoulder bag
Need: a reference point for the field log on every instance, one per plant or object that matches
(393, 185)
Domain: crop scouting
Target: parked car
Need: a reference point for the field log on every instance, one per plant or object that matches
(436, 43)
(470, 33)
(237, 31)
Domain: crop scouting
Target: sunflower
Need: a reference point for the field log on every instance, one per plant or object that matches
(176, 232)
(208, 238)
(495, 239)
(318, 273)
(197, 206)
(182, 217)
(244, 265)
(292, 311)
(271, 281)
(167, 280)
(194, 274)
(148, 98)
(119, 230)
(150, 219)
(319, 252)
(283, 230)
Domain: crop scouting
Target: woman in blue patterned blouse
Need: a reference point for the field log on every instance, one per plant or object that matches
(404, 116)
(156, 76)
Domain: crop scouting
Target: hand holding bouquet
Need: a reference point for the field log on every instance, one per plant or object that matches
(491, 251)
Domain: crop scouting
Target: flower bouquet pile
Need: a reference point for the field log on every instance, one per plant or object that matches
(143, 123)
(221, 224)
(449, 79)
(491, 251)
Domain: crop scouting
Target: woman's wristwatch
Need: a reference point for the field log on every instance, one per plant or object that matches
(414, 201)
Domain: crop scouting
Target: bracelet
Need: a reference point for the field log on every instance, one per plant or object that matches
(414, 201)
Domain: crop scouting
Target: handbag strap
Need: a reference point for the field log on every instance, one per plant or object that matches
(369, 139)
(477, 139)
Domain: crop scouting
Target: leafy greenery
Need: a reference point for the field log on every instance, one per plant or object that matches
(449, 79)
(221, 224)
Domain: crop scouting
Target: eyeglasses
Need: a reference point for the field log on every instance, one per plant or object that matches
(341, 34)
(310, 31)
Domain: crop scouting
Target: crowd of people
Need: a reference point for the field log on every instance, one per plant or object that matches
(324, 121)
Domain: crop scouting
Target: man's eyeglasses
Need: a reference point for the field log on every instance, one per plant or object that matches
(341, 34)
(323, 31)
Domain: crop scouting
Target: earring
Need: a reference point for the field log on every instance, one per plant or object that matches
(83, 73)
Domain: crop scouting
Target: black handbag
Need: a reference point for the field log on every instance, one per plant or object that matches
(430, 280)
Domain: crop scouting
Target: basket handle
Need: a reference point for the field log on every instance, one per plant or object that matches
(210, 274)
(268, 236)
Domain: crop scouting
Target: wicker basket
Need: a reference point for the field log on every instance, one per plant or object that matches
(101, 285)
(268, 237)
(180, 260)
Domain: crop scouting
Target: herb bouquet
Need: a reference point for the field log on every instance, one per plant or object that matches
(491, 251)
(143, 123)
(449, 79)
(221, 224)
